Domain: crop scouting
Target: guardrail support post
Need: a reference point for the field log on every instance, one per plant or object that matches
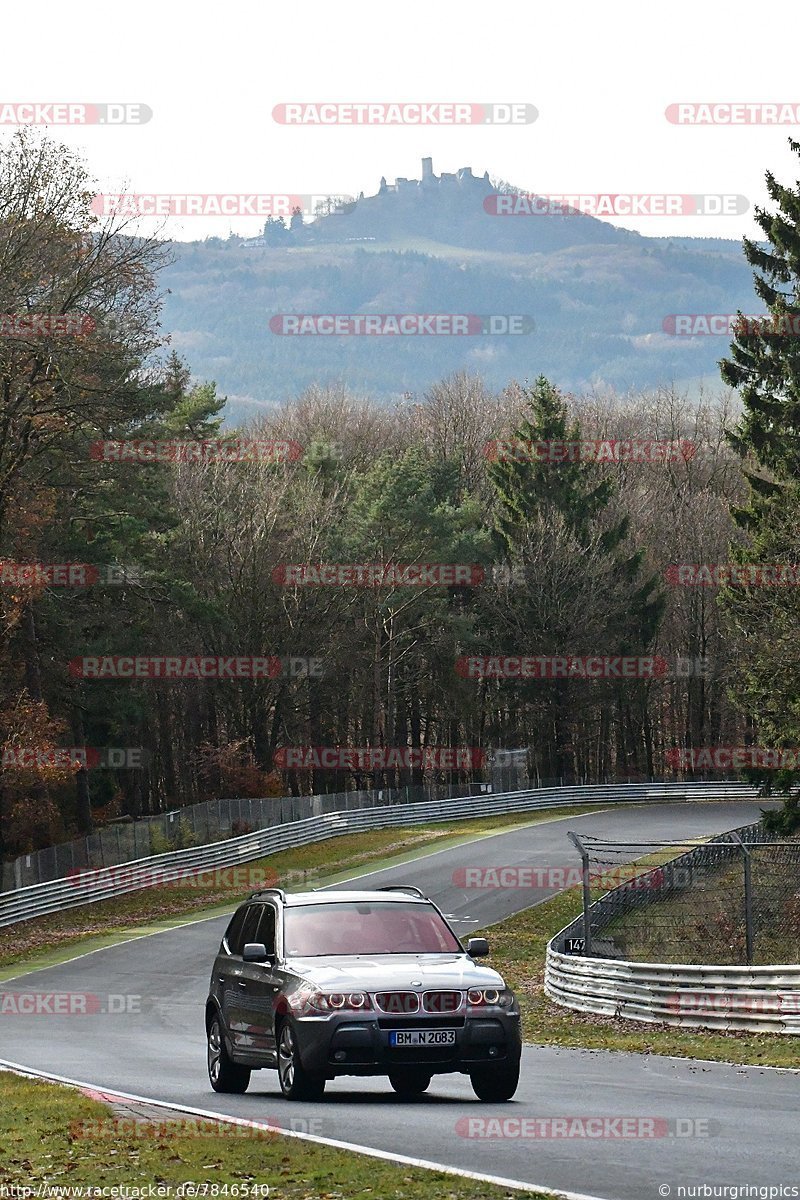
(749, 932)
(587, 897)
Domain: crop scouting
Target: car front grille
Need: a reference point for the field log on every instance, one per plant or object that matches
(442, 1002)
(397, 1002)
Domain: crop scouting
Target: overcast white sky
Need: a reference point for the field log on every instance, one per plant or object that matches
(600, 75)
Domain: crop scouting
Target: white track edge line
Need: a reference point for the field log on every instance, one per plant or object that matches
(112, 1094)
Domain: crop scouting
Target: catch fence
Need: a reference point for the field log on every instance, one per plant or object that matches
(734, 899)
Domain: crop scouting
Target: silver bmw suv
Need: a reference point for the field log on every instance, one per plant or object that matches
(320, 984)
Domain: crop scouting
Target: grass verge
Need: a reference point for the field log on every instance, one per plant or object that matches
(44, 941)
(54, 1134)
(518, 948)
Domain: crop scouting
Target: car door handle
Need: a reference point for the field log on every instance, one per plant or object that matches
(242, 984)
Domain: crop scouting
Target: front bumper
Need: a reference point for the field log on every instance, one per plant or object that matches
(353, 1045)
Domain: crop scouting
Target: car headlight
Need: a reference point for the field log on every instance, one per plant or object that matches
(349, 1000)
(304, 1001)
(308, 1000)
(480, 997)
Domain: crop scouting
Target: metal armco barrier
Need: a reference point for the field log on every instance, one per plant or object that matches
(758, 999)
(101, 884)
(754, 998)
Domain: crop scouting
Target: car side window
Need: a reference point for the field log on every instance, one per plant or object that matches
(266, 929)
(250, 927)
(234, 931)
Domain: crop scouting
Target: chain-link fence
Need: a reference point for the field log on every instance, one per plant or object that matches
(197, 825)
(215, 820)
(734, 899)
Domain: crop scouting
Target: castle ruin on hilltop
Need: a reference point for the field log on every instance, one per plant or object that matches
(429, 180)
(413, 202)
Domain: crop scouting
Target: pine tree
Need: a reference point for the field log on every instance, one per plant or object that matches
(572, 502)
(765, 367)
(765, 355)
(524, 485)
(580, 495)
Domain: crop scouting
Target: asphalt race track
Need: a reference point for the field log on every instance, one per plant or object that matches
(751, 1114)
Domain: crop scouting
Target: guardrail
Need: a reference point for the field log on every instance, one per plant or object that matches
(200, 825)
(753, 998)
(758, 999)
(101, 884)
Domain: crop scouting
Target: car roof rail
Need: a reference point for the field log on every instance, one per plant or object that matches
(403, 887)
(279, 892)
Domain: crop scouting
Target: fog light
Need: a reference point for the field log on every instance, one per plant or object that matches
(340, 1055)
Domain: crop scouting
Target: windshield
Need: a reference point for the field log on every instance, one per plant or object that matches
(377, 927)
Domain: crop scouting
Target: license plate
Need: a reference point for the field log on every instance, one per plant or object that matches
(422, 1037)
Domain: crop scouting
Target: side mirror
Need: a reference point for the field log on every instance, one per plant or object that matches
(477, 947)
(255, 952)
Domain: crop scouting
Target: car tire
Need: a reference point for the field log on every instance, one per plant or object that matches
(409, 1082)
(224, 1074)
(496, 1082)
(296, 1082)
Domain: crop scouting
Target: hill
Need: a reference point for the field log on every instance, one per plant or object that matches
(598, 297)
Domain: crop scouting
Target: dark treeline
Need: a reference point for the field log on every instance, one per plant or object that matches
(575, 558)
(574, 563)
